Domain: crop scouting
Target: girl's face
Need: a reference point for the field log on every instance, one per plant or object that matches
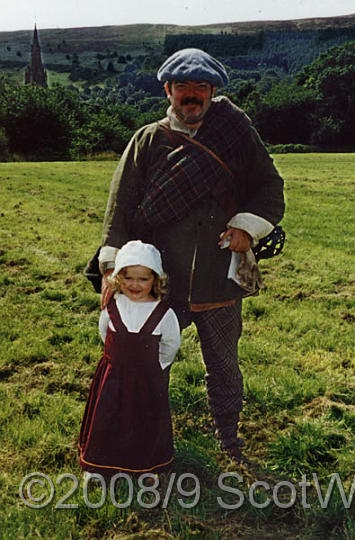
(136, 283)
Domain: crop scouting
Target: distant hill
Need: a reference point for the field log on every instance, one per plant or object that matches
(93, 54)
(134, 36)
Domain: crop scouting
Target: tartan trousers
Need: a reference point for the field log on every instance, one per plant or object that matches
(219, 331)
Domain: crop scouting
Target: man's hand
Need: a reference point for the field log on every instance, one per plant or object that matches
(239, 240)
(106, 291)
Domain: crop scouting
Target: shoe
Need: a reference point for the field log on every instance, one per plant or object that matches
(149, 479)
(235, 453)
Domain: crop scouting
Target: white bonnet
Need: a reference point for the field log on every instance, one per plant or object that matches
(135, 253)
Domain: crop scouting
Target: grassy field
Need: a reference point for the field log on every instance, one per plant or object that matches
(296, 354)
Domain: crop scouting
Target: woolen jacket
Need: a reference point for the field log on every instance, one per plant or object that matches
(196, 266)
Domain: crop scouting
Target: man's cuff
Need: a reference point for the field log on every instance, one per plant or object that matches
(107, 258)
(254, 225)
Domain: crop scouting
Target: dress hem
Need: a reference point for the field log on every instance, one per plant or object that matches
(84, 464)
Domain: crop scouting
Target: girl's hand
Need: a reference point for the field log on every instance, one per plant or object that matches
(239, 240)
(106, 291)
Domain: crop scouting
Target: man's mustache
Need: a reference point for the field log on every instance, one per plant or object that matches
(191, 100)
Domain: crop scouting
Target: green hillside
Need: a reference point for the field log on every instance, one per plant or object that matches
(105, 51)
(295, 79)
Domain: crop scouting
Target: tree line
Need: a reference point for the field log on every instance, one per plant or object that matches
(216, 44)
(316, 107)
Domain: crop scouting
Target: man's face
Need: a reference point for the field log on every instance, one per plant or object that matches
(190, 100)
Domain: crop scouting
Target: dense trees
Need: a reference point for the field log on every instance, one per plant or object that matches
(50, 124)
(104, 128)
(316, 107)
(284, 114)
(38, 121)
(332, 79)
(215, 44)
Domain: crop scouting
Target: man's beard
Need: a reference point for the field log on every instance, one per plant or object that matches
(190, 119)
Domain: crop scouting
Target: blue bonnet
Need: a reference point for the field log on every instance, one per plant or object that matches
(193, 65)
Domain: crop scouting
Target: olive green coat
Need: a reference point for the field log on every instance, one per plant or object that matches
(196, 266)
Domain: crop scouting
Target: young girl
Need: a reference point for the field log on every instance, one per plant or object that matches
(127, 423)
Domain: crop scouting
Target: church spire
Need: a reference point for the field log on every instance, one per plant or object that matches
(35, 72)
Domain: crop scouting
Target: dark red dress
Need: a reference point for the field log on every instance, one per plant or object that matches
(127, 422)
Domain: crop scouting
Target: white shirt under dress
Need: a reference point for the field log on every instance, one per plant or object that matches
(134, 315)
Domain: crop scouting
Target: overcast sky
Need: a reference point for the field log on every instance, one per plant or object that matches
(22, 14)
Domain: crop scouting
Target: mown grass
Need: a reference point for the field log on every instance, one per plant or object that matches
(296, 354)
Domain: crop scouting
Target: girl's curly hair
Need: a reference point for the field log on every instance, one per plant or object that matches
(159, 287)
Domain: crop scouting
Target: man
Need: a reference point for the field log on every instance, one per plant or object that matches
(192, 184)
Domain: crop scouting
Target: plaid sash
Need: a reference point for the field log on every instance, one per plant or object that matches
(180, 181)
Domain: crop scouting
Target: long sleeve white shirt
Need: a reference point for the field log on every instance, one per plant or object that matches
(134, 315)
